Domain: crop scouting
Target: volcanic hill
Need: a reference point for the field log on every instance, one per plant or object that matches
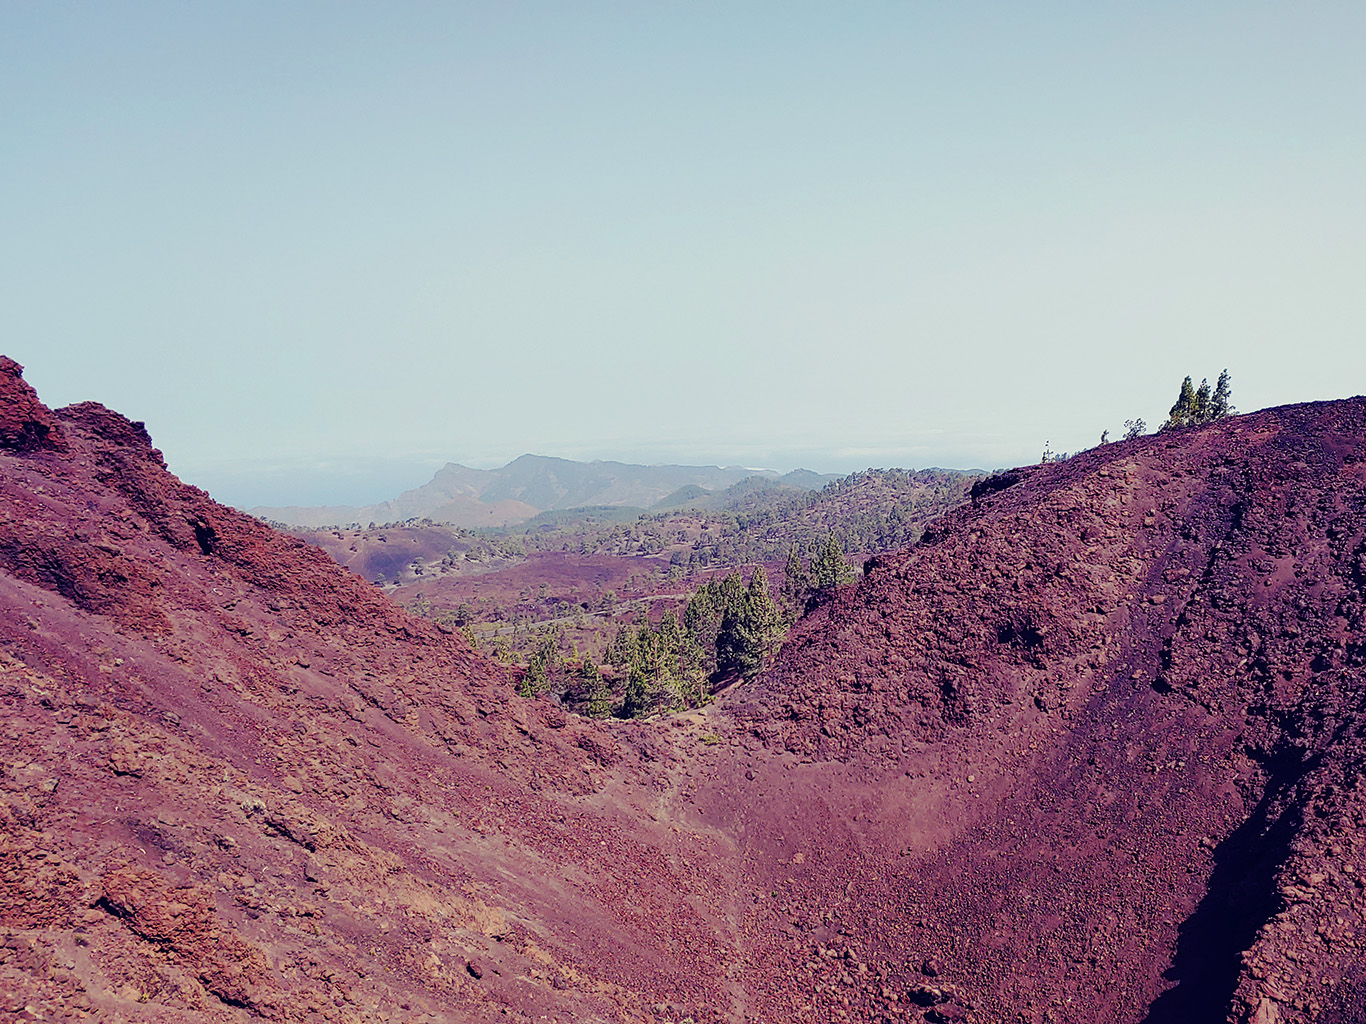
(1089, 751)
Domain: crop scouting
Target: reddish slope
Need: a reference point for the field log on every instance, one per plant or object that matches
(238, 782)
(1101, 735)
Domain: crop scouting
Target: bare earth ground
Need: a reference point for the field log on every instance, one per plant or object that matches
(1088, 752)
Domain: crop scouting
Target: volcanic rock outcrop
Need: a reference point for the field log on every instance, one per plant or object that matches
(25, 423)
(1088, 752)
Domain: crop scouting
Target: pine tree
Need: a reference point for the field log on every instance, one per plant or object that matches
(796, 585)
(702, 619)
(639, 698)
(599, 693)
(540, 666)
(1202, 402)
(1182, 413)
(1219, 406)
(709, 606)
(828, 568)
(766, 624)
(693, 674)
(622, 650)
(735, 648)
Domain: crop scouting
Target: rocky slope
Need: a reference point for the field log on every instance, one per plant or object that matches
(1089, 751)
(1107, 731)
(239, 783)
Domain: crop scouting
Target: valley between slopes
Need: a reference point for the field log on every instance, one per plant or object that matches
(1089, 749)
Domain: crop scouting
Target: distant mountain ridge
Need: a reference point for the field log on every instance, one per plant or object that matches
(532, 484)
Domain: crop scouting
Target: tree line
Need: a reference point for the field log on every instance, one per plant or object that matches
(1195, 406)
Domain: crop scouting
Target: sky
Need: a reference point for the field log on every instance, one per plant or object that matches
(323, 248)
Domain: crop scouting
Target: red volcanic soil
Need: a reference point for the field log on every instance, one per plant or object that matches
(537, 584)
(1088, 752)
(1092, 749)
(241, 783)
(562, 574)
(386, 554)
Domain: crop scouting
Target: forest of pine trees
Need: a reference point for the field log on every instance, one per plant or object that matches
(730, 627)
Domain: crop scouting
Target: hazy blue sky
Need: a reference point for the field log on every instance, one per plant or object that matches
(291, 236)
